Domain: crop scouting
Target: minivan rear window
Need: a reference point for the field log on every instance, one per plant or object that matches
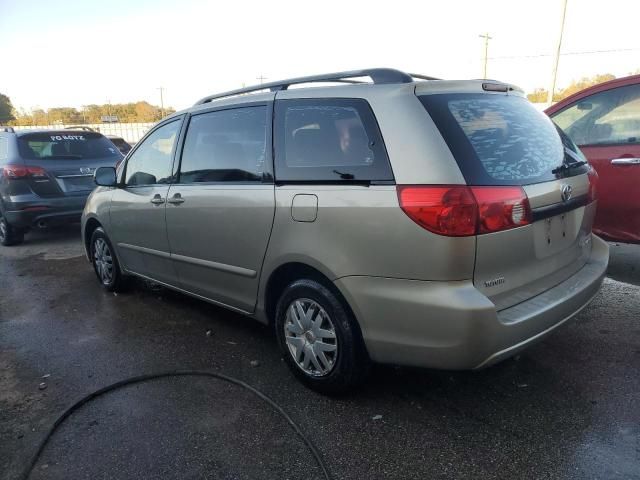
(66, 145)
(499, 139)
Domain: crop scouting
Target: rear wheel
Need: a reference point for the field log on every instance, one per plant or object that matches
(319, 338)
(105, 263)
(9, 235)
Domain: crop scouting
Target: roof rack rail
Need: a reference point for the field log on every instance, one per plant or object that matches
(423, 77)
(80, 127)
(377, 75)
(7, 129)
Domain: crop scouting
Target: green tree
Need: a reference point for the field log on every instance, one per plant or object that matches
(64, 115)
(6, 109)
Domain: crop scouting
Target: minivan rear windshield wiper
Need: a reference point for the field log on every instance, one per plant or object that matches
(576, 161)
(568, 166)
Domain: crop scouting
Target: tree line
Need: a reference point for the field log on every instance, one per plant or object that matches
(126, 112)
(539, 95)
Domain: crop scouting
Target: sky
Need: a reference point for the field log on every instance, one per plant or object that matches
(78, 52)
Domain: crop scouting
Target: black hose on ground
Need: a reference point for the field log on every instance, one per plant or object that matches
(180, 373)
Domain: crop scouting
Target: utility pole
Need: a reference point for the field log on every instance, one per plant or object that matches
(555, 64)
(262, 78)
(486, 50)
(161, 102)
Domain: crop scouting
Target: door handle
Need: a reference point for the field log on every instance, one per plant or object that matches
(157, 199)
(625, 161)
(176, 199)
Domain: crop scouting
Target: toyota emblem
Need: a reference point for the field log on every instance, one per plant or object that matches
(565, 192)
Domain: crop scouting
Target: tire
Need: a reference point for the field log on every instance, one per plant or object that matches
(320, 339)
(105, 263)
(9, 235)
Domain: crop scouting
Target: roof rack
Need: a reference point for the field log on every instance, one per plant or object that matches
(80, 127)
(7, 129)
(423, 77)
(377, 75)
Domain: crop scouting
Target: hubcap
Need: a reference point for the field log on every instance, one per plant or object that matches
(311, 337)
(103, 261)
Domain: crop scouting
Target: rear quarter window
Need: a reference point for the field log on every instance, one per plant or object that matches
(497, 139)
(328, 140)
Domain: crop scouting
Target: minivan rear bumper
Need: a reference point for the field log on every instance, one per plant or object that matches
(451, 325)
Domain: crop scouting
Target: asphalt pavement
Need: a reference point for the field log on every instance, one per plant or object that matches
(567, 408)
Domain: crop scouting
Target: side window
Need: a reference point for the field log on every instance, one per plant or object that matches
(609, 117)
(329, 140)
(226, 146)
(151, 162)
(3, 149)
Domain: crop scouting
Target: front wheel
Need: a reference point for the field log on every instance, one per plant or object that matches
(319, 338)
(105, 263)
(9, 235)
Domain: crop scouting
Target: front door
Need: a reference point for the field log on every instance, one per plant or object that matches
(606, 126)
(220, 211)
(618, 212)
(138, 226)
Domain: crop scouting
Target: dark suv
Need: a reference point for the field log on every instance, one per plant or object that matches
(46, 176)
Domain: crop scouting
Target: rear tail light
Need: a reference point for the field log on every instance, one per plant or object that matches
(20, 171)
(592, 175)
(501, 208)
(459, 211)
(448, 211)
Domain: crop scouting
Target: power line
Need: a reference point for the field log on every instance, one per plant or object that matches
(586, 52)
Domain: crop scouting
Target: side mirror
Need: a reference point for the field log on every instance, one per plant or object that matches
(105, 177)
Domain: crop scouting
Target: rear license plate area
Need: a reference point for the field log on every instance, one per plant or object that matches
(76, 184)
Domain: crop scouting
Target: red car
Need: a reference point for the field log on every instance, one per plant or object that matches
(604, 121)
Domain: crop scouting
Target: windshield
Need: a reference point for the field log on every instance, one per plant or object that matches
(67, 145)
(500, 139)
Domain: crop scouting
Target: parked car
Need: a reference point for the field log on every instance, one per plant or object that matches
(119, 142)
(46, 176)
(442, 224)
(604, 121)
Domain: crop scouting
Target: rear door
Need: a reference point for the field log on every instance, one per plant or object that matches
(606, 125)
(504, 146)
(67, 159)
(220, 211)
(137, 210)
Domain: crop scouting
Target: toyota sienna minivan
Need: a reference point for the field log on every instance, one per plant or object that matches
(381, 217)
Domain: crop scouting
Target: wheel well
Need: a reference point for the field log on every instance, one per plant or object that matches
(290, 272)
(91, 225)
